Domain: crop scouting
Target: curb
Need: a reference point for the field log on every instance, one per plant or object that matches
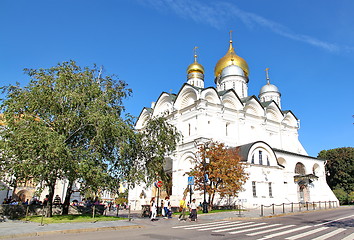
(80, 230)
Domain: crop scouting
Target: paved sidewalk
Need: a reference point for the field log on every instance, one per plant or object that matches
(14, 229)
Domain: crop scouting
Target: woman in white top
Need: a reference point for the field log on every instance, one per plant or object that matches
(193, 210)
(153, 208)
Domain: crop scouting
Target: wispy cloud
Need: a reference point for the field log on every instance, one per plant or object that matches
(214, 15)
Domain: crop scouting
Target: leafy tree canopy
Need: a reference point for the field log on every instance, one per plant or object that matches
(339, 168)
(158, 140)
(66, 124)
(225, 171)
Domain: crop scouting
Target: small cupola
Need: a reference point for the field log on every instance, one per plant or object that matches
(269, 92)
(195, 72)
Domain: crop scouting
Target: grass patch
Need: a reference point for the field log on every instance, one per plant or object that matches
(70, 218)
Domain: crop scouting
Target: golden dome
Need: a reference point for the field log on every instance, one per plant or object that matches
(231, 58)
(195, 67)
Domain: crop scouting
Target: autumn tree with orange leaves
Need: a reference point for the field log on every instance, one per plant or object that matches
(225, 171)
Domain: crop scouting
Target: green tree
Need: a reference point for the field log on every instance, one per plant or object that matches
(67, 124)
(339, 168)
(158, 139)
(226, 173)
(340, 172)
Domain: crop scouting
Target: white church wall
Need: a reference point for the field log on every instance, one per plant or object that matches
(228, 116)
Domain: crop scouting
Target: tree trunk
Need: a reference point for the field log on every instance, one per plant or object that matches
(51, 187)
(66, 203)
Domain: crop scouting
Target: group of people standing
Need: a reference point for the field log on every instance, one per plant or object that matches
(183, 208)
(166, 211)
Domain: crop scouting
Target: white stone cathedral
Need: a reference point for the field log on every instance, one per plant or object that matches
(280, 170)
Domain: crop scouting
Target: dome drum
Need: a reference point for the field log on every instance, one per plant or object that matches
(195, 75)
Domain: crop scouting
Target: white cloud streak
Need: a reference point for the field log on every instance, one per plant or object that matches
(219, 13)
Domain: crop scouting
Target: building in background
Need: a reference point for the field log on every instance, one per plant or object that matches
(280, 170)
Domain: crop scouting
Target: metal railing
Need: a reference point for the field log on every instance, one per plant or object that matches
(283, 208)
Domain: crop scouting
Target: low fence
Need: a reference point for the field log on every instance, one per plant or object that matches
(274, 209)
(18, 211)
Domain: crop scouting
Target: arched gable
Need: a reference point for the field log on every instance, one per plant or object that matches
(186, 97)
(186, 162)
(261, 153)
(258, 153)
(144, 116)
(254, 107)
(211, 95)
(290, 119)
(231, 100)
(163, 105)
(273, 112)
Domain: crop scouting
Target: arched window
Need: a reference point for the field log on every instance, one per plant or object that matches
(268, 163)
(300, 168)
(252, 161)
(260, 158)
(316, 169)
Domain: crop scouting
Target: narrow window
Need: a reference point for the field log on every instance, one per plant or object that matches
(189, 129)
(270, 190)
(268, 163)
(260, 158)
(254, 189)
(252, 161)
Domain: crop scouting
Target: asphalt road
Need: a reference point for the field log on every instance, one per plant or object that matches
(331, 224)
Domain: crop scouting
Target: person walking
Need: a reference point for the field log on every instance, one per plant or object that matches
(182, 208)
(193, 210)
(167, 206)
(153, 209)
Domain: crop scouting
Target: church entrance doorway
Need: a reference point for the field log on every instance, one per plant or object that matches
(303, 193)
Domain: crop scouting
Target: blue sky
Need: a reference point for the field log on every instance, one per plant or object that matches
(308, 46)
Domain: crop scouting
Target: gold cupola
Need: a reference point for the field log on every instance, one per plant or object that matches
(195, 72)
(195, 67)
(231, 58)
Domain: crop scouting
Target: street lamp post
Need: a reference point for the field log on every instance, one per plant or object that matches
(205, 203)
